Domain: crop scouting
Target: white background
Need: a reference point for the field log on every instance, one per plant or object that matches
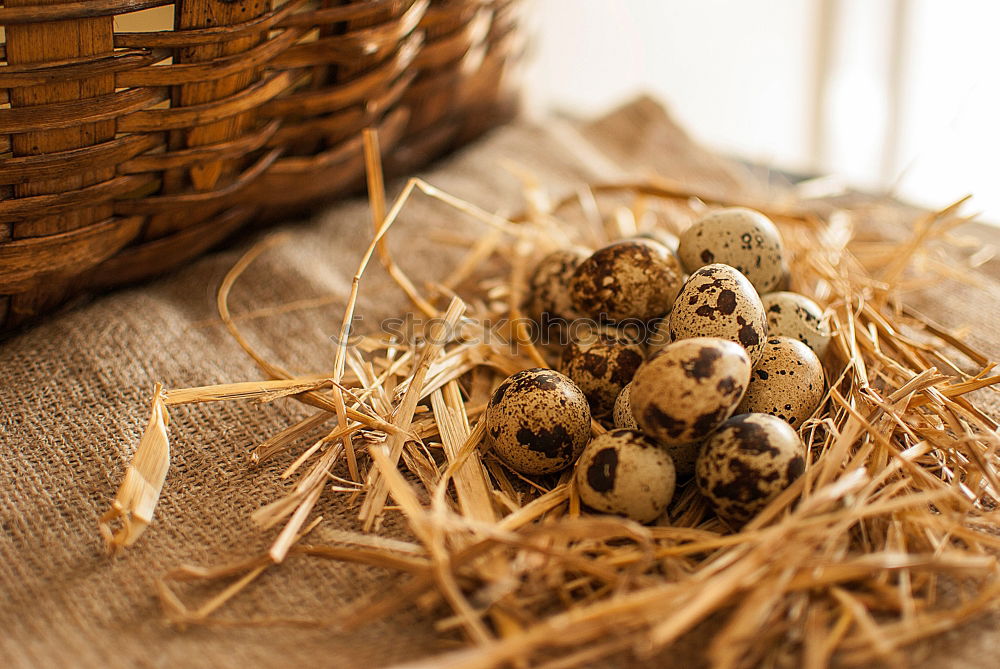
(896, 95)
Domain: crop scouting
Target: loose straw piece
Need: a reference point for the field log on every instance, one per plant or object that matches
(140, 489)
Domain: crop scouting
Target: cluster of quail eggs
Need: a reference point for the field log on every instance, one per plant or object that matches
(711, 386)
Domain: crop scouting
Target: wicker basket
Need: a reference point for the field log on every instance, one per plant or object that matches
(125, 153)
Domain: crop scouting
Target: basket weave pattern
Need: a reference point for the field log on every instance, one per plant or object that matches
(124, 153)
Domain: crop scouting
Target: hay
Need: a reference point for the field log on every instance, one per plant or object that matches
(886, 540)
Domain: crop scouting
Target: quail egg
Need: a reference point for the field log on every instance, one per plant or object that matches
(683, 455)
(668, 239)
(538, 421)
(785, 282)
(718, 301)
(796, 316)
(687, 389)
(601, 361)
(549, 284)
(625, 473)
(786, 382)
(747, 463)
(743, 238)
(622, 414)
(635, 279)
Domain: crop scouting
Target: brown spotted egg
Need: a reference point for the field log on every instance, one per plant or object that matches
(634, 279)
(785, 282)
(622, 414)
(786, 382)
(747, 463)
(549, 284)
(625, 473)
(683, 455)
(601, 361)
(538, 421)
(796, 316)
(686, 390)
(718, 301)
(667, 239)
(743, 238)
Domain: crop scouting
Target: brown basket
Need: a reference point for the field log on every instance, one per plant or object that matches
(126, 153)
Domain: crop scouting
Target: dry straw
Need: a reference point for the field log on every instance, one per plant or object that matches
(886, 540)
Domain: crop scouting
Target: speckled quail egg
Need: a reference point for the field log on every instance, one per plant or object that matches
(785, 282)
(625, 473)
(718, 301)
(747, 463)
(633, 279)
(601, 361)
(668, 239)
(686, 390)
(683, 455)
(622, 414)
(786, 382)
(538, 421)
(549, 284)
(796, 316)
(743, 238)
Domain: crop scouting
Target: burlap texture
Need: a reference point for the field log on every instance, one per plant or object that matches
(75, 391)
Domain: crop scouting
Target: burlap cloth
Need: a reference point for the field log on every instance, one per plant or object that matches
(74, 393)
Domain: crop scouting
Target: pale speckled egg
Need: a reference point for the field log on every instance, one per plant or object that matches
(747, 463)
(785, 282)
(549, 284)
(686, 390)
(743, 238)
(683, 455)
(601, 361)
(786, 382)
(632, 279)
(622, 414)
(538, 421)
(623, 472)
(659, 336)
(718, 301)
(796, 316)
(667, 239)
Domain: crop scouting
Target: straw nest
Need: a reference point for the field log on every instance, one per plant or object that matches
(888, 538)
